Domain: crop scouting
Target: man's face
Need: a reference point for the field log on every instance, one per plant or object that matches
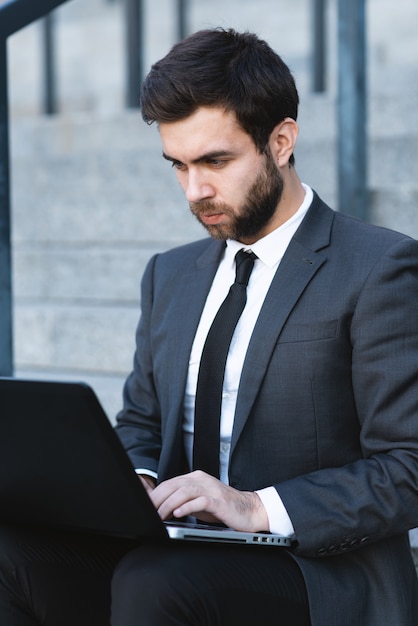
(232, 189)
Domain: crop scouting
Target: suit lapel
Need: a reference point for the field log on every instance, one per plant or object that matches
(298, 267)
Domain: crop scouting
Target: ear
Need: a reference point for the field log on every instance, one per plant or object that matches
(282, 141)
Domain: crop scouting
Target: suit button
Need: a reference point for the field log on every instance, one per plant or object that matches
(332, 549)
(364, 540)
(321, 551)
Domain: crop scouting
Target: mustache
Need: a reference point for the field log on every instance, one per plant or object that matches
(208, 207)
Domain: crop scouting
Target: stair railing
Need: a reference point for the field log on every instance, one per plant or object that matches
(14, 15)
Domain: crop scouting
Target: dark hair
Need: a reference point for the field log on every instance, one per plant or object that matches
(236, 71)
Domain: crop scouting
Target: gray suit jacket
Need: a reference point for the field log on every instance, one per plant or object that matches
(327, 409)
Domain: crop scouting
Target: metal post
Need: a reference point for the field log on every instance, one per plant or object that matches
(135, 45)
(50, 103)
(319, 40)
(6, 332)
(352, 137)
(182, 19)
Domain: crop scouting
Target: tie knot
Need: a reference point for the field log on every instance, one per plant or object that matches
(244, 262)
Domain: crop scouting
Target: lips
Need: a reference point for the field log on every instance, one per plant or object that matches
(214, 218)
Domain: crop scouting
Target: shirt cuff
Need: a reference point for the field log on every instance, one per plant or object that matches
(279, 520)
(147, 472)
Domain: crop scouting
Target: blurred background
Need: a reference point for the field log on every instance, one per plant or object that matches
(92, 199)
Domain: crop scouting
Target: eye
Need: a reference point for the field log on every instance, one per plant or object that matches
(217, 163)
(178, 165)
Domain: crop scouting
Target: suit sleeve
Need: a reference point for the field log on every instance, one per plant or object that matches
(337, 509)
(139, 422)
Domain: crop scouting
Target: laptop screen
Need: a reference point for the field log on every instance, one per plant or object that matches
(62, 464)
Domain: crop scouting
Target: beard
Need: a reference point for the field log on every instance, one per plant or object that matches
(259, 206)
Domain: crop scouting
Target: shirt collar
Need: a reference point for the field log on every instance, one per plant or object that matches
(271, 248)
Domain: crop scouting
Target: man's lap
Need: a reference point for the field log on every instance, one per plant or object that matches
(208, 585)
(50, 578)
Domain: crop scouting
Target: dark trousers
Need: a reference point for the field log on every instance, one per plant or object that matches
(64, 579)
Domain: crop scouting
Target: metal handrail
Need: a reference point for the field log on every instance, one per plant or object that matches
(14, 15)
(318, 47)
(352, 109)
(134, 19)
(49, 87)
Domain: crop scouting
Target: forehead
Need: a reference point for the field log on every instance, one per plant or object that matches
(207, 130)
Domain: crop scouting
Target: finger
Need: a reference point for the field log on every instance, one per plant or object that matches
(197, 507)
(197, 482)
(164, 490)
(182, 502)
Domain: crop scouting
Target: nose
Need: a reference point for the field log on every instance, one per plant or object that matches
(198, 187)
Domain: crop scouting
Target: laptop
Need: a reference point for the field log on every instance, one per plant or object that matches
(63, 466)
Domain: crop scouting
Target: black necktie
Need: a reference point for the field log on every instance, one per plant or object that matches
(212, 368)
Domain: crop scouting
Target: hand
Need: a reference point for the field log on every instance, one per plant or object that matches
(207, 498)
(148, 482)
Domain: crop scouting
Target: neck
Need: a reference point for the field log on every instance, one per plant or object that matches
(292, 197)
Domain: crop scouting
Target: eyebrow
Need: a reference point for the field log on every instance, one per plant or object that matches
(215, 154)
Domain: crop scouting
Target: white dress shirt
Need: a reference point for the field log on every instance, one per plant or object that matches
(269, 250)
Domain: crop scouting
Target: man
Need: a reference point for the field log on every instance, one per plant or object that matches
(319, 421)
(317, 435)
